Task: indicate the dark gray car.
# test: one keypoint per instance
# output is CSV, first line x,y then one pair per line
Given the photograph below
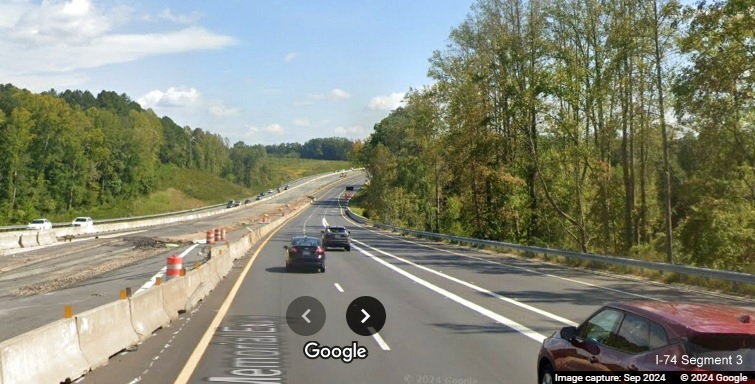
x,y
336,237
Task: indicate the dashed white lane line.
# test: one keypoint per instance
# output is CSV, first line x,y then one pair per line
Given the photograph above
x,y
477,308
476,288
338,287
383,345
151,281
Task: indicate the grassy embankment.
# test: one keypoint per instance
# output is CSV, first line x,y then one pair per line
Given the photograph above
x,y
179,189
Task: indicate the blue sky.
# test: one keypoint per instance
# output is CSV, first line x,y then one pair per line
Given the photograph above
x,y
254,71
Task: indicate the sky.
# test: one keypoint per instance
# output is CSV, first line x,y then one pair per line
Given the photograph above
x,y
261,72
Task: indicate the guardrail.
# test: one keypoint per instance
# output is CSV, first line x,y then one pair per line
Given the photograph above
x,y
731,276
158,215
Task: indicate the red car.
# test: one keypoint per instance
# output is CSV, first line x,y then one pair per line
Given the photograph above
x,y
653,336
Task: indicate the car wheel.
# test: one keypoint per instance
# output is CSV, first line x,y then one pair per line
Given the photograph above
x,y
546,374
348,248
322,269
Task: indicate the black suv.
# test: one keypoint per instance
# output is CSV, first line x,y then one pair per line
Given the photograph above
x,y
336,237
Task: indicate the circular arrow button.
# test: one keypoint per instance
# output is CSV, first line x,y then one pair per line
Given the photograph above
x,y
365,316
305,316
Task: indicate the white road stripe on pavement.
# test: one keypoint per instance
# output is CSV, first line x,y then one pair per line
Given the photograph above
x,y
338,287
383,345
477,288
151,281
477,308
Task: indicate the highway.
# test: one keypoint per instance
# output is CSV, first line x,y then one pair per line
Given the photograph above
x,y
453,314
36,283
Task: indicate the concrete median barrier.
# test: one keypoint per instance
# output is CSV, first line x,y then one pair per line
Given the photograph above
x,y
28,240
8,241
208,275
148,312
175,295
105,331
194,296
50,354
46,238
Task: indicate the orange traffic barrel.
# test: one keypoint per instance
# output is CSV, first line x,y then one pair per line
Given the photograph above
x,y
222,234
211,237
217,234
175,263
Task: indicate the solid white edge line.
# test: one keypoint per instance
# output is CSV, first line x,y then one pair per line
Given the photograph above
x,y
475,307
164,269
477,288
499,263
338,287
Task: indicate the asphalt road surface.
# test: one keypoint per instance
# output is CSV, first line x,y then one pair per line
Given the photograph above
x,y
36,283
453,315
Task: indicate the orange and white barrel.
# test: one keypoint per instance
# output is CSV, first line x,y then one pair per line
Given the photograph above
x,y
211,237
175,263
222,234
217,235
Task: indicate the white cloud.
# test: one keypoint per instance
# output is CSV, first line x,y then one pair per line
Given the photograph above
x,y
301,122
353,130
220,110
339,94
275,129
168,15
387,103
290,57
173,97
56,37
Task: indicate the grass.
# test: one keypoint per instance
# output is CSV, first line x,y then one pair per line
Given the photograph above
x,y
356,203
180,189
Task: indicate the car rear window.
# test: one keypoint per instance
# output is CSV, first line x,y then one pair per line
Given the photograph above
x,y
306,243
338,230
734,351
81,219
37,221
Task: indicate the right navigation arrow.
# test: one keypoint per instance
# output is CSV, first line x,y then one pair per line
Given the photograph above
x,y
366,316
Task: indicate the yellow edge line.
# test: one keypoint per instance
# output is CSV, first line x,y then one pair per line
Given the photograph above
x,y
199,351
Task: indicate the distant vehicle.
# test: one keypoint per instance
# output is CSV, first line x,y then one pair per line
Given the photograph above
x,y
39,224
350,188
83,222
631,336
233,203
336,237
305,251
247,201
262,194
270,192
286,188
279,189
259,198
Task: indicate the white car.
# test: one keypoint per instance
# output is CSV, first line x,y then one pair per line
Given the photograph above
x,y
39,224
83,222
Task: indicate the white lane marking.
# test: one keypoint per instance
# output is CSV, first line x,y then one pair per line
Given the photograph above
x,y
526,269
304,226
383,345
476,288
477,308
338,287
506,265
151,281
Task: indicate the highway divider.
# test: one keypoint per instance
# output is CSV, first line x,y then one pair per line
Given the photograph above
x,y
69,348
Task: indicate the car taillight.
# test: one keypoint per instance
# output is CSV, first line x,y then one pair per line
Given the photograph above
x,y
320,251
292,250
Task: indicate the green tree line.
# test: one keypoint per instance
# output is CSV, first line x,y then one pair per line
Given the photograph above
x,y
63,151
331,148
623,127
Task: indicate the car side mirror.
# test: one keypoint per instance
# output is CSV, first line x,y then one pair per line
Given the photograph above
x,y
285,247
568,333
